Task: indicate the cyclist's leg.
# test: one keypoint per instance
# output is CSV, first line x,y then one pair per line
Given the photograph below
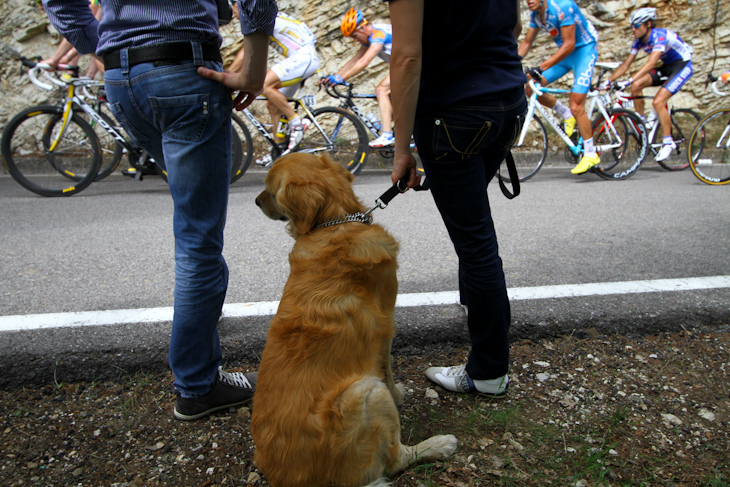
x,y
382,93
637,89
676,79
276,102
551,74
582,60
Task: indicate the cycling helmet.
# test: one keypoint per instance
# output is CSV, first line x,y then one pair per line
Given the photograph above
x,y
642,15
351,21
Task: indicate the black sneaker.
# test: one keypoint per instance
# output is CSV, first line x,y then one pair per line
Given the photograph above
x,y
230,389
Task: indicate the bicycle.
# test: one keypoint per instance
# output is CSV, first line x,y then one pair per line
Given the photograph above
x,y
619,137
369,120
52,150
683,121
332,130
711,141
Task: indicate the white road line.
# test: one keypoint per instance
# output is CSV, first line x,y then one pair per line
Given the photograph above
x,y
266,308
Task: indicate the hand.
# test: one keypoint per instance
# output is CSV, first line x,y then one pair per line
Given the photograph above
x,y
247,90
605,85
404,163
622,85
335,79
535,73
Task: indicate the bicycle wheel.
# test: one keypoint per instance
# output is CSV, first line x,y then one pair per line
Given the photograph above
x,y
621,143
246,148
709,154
339,134
111,150
684,121
236,154
70,167
530,155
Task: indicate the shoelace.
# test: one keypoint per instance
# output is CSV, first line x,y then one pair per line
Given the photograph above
x,y
236,379
455,371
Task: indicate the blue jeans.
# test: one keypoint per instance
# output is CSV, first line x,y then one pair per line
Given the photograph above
x,y
461,149
184,122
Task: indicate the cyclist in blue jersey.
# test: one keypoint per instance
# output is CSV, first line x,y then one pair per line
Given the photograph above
x,y
676,57
376,40
577,51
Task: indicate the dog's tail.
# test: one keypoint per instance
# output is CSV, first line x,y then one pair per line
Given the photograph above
x,y
381,482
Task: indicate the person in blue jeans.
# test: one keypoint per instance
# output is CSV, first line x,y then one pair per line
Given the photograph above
x,y
463,101
152,51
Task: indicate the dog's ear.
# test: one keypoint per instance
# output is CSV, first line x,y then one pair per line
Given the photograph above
x,y
301,202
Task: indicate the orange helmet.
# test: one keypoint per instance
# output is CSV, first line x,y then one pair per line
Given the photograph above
x,y
351,21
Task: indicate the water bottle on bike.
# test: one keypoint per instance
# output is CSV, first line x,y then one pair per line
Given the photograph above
x,y
374,120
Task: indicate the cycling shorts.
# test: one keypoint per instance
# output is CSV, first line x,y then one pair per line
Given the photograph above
x,y
295,69
581,62
676,74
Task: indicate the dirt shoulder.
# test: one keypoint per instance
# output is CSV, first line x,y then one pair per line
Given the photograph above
x,y
604,410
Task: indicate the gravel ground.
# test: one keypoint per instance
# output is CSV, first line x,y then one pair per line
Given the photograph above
x,y
604,410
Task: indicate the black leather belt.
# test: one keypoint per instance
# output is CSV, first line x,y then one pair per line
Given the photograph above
x,y
172,51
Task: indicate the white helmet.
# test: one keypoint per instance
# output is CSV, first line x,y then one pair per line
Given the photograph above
x,y
642,15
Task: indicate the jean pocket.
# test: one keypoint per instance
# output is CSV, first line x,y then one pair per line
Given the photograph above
x,y
456,141
181,117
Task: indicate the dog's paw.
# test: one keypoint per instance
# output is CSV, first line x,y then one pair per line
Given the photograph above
x,y
443,446
399,394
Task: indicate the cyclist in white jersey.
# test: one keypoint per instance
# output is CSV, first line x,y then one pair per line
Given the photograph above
x,y
676,56
376,41
293,40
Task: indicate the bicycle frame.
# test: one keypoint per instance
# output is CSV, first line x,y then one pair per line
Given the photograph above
x,y
298,102
576,149
350,105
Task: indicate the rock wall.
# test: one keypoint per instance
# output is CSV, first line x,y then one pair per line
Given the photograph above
x,y
703,23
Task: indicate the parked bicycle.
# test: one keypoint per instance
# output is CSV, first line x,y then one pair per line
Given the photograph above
x,y
332,130
52,150
709,143
618,135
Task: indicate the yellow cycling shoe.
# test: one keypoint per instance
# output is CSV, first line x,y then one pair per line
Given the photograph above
x,y
585,164
569,126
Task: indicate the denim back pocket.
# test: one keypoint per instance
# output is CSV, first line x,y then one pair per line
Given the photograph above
x,y
455,141
182,117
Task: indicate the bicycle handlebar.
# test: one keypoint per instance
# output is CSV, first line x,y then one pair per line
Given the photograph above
x,y
716,90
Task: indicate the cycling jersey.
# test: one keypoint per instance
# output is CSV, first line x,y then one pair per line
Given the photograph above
x,y
560,13
667,42
382,34
290,35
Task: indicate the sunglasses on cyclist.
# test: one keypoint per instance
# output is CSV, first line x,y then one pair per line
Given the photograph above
x,y
636,26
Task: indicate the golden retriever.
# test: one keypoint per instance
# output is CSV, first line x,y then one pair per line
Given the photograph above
x,y
325,408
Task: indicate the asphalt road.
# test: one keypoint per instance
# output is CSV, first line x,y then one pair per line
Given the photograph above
x,y
111,248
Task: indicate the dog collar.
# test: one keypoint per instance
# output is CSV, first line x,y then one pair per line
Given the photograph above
x,y
365,218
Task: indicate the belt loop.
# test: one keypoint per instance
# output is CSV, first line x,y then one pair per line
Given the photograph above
x,y
124,60
198,59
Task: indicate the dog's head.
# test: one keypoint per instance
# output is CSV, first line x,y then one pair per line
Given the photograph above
x,y
305,189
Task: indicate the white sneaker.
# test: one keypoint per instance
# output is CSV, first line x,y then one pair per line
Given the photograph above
x,y
297,133
665,151
383,141
456,379
265,161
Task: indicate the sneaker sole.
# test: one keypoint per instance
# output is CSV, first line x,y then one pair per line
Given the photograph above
x,y
185,417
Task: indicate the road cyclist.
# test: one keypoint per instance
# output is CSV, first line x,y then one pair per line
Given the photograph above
x,y
293,40
375,40
577,39
663,45
711,139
